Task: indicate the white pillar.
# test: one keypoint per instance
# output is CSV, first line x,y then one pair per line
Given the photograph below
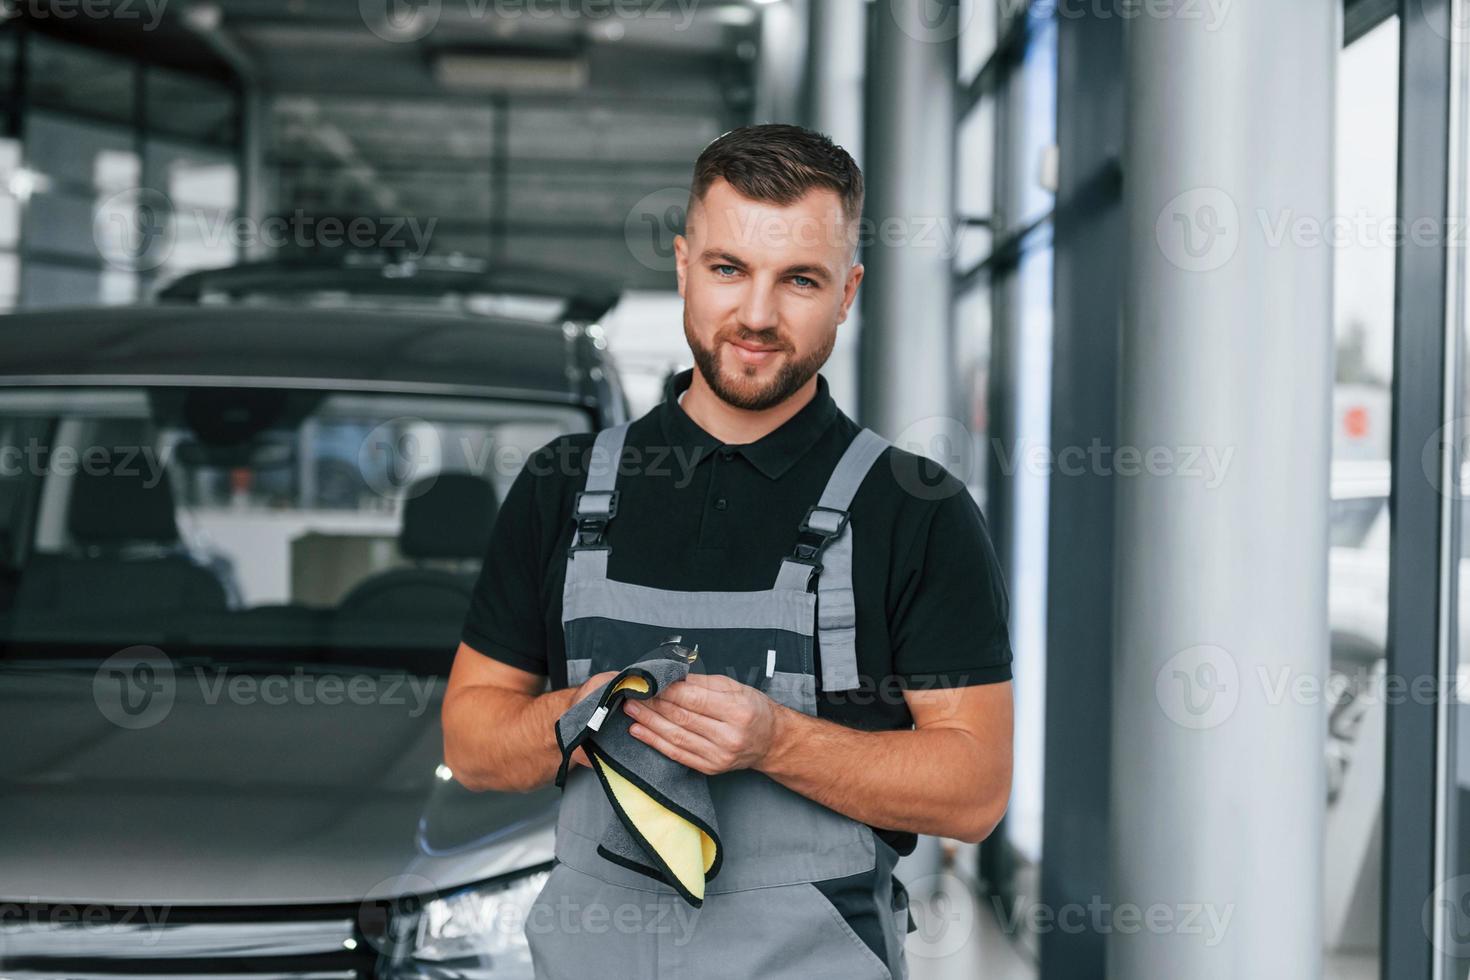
x,y
905,356
837,54
1218,782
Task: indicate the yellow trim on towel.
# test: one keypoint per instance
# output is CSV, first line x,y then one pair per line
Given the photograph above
x,y
688,851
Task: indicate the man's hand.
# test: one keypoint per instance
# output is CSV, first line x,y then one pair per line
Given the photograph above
x,y
579,754
709,722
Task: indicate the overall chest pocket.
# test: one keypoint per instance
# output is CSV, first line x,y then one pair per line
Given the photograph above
x,y
750,656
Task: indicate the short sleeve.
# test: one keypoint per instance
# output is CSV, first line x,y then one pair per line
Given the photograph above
x,y
949,626
505,619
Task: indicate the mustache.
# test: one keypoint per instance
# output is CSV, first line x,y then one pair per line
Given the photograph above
x,y
758,341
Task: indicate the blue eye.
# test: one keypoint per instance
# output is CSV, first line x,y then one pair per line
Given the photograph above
x,y
804,282
725,270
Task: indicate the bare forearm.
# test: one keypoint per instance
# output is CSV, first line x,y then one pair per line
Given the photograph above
x,y
931,781
503,740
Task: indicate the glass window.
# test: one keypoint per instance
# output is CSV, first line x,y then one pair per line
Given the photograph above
x,y
80,80
200,189
86,231
972,342
1366,181
977,36
9,44
257,517
1029,123
975,182
1024,313
188,106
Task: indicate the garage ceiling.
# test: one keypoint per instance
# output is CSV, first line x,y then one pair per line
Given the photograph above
x,y
359,125
537,130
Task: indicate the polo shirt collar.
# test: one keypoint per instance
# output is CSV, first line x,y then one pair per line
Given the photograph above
x,y
773,453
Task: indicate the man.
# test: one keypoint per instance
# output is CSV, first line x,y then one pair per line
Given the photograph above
x,y
889,712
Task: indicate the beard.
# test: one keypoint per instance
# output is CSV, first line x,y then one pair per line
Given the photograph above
x,y
744,390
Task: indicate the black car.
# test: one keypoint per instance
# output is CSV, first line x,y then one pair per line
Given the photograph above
x,y
237,540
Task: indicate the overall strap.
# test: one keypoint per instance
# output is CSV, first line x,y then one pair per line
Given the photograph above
x,y
824,550
596,505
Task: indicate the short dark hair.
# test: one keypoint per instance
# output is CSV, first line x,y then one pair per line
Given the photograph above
x,y
780,163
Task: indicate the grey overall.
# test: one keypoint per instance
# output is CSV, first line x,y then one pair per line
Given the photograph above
x,y
767,913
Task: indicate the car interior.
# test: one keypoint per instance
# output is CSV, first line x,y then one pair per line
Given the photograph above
x,y
287,528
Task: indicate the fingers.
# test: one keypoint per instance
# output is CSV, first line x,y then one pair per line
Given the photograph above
x,y
665,709
679,744
709,695
671,733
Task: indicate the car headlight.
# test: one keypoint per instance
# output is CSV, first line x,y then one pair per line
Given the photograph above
x,y
477,933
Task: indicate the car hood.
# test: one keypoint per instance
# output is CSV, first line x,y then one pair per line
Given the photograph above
x,y
269,787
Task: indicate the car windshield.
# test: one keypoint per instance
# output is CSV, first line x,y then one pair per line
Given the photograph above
x,y
320,527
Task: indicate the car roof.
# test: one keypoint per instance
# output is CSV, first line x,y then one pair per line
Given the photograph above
x,y
586,297
351,349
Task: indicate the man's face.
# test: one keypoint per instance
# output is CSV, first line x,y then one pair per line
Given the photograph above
x,y
764,289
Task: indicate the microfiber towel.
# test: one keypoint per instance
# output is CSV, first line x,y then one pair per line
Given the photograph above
x,y
665,821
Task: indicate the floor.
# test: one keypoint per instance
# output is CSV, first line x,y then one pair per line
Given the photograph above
x,y
959,936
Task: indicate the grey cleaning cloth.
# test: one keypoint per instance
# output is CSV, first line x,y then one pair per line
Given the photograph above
x,y
664,823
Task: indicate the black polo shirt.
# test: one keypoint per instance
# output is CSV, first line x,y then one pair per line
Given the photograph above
x,y
695,514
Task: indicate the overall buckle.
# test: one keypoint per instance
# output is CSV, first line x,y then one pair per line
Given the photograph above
x,y
818,527
592,510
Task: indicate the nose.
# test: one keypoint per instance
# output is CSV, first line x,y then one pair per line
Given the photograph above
x,y
758,306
